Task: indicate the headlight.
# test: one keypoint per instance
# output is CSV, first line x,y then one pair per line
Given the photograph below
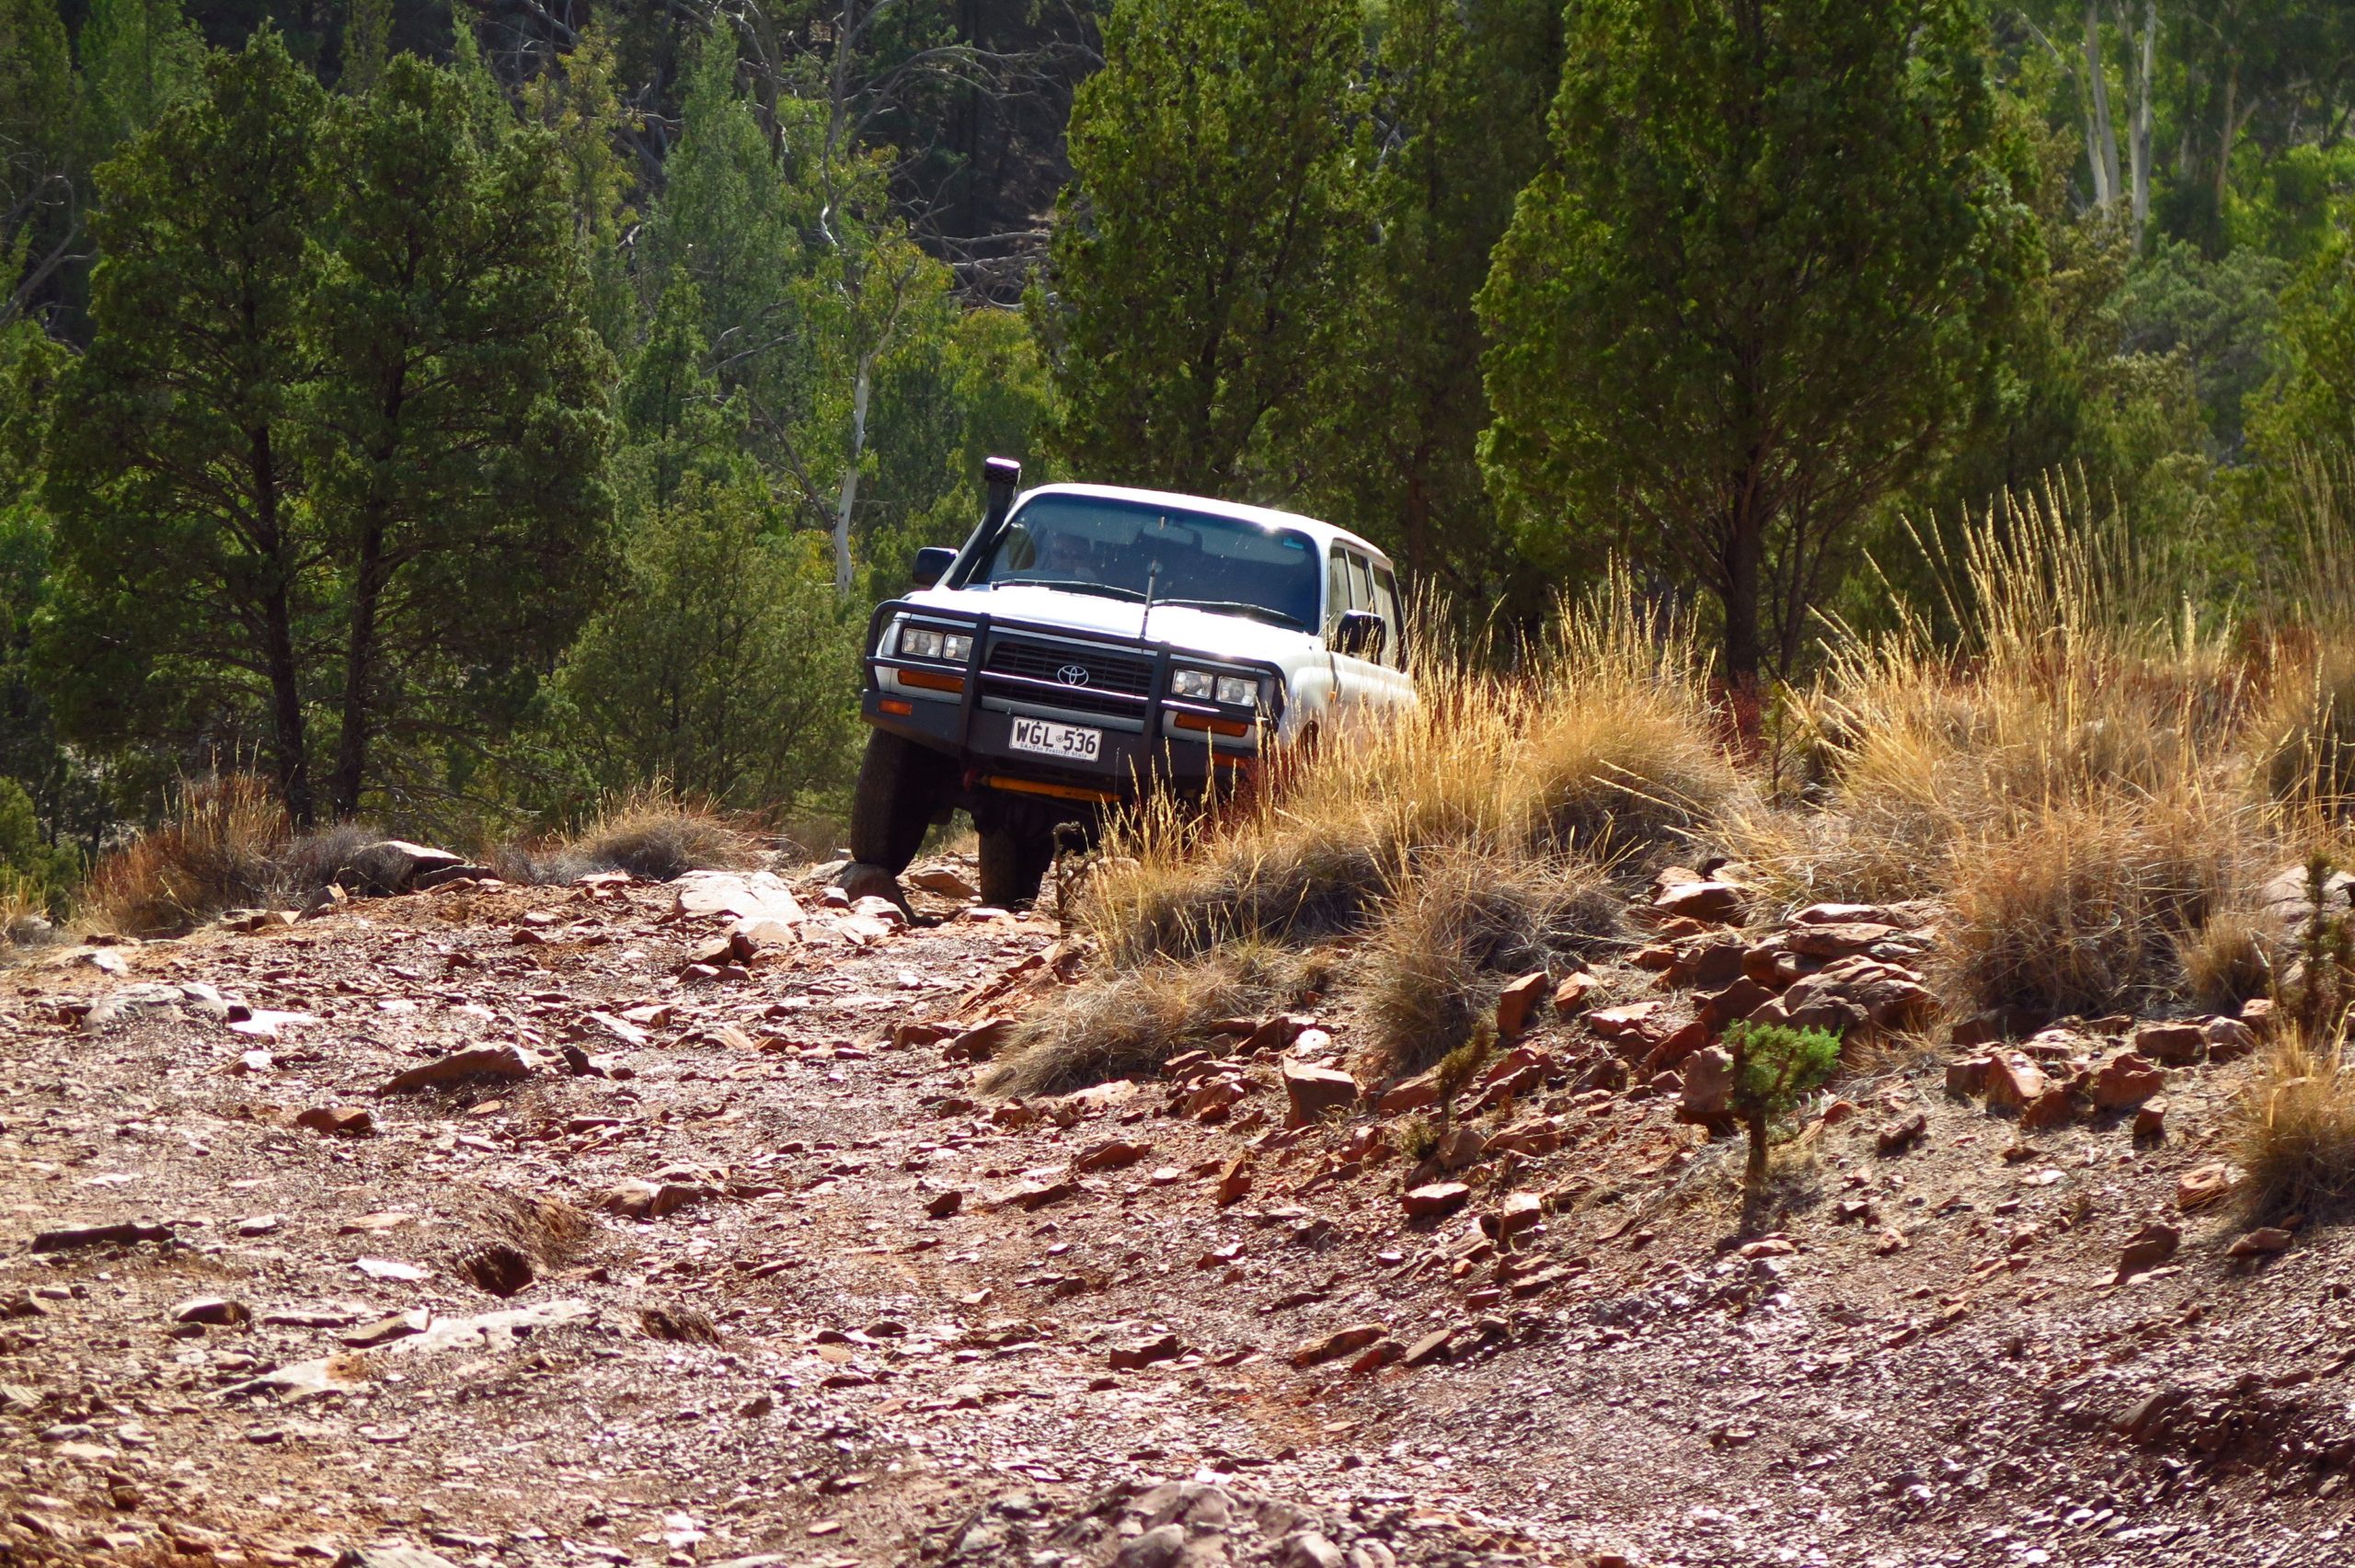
x,y
1194,683
930,642
1237,692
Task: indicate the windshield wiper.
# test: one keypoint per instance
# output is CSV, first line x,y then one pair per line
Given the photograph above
x,y
1108,590
1238,607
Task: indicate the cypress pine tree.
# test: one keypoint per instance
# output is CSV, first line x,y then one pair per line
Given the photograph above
x,y
138,57
189,563
458,425
1203,252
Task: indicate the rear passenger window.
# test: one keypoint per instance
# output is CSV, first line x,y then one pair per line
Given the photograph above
x,y
1386,605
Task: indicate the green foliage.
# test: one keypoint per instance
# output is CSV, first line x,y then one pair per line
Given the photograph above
x,y
367,43
2310,402
454,420
1743,292
1460,94
1459,1067
2320,990
1204,253
341,382
61,786
972,387
1775,1068
2220,314
1738,308
579,103
139,58
732,222
188,598
810,284
20,845
39,204
724,665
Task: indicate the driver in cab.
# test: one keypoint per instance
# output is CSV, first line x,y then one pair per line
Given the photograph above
x,y
1065,558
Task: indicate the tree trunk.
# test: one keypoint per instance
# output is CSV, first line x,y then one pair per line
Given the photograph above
x,y
2101,137
1417,524
1739,575
289,745
1753,1174
360,673
2226,134
860,387
2138,144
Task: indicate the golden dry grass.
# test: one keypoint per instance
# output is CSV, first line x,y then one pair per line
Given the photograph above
x,y
2086,906
1430,968
650,832
2297,1128
215,851
24,909
1130,1022
2307,736
1601,748
2230,960
2069,777
1465,839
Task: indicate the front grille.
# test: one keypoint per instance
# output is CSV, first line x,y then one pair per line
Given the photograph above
x,y
1105,671
1076,701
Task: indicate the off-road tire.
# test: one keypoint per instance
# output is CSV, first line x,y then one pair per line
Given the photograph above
x,y
900,785
1013,864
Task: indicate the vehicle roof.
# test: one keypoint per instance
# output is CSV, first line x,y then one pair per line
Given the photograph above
x,y
1325,534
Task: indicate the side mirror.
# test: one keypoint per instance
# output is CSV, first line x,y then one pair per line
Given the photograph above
x,y
1359,634
932,564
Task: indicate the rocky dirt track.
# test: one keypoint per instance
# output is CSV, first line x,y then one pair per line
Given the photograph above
x,y
718,1255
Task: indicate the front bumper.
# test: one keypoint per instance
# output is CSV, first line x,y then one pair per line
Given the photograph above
x,y
1151,737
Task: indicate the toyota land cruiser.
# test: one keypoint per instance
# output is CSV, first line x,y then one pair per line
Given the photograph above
x,y
1087,642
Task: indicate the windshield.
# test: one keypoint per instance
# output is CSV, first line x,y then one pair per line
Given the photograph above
x,y
1132,550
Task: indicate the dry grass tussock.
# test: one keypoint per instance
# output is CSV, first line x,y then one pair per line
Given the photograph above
x,y
24,909
2072,779
1128,1023
1468,838
2297,1129
1430,968
651,831
1599,748
227,843
216,850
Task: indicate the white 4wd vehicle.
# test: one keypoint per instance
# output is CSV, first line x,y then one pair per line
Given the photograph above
x,y
1087,642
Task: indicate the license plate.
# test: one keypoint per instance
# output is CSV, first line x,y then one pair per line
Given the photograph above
x,y
1072,742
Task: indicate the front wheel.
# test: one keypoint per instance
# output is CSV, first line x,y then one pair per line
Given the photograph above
x,y
1013,864
900,788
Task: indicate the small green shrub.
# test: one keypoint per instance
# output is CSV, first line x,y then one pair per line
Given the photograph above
x,y
2320,992
1418,1138
1459,1067
1775,1067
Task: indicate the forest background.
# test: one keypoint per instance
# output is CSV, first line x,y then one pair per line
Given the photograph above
x,y
457,415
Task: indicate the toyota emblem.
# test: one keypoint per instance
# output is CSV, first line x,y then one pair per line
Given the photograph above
x,y
1073,675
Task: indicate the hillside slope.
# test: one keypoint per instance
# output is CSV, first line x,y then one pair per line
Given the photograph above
x,y
737,1264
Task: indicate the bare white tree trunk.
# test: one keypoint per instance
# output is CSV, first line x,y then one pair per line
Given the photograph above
x,y
2138,142
860,386
2101,137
